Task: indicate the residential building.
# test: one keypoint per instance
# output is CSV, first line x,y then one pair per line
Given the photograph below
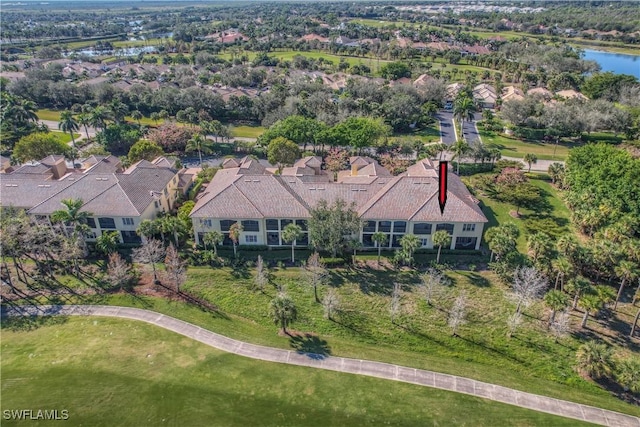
x,y
118,199
264,203
485,95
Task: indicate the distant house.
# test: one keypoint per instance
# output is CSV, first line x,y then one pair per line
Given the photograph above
x,y
227,37
264,203
541,92
314,37
118,199
485,95
512,93
346,41
570,93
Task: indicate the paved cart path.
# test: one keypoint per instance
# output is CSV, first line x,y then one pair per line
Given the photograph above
x,y
341,364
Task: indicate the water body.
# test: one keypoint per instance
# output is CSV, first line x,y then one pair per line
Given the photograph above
x,y
618,63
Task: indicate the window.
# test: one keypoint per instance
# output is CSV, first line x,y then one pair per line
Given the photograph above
x,y
91,222
446,227
127,221
251,226
468,227
466,242
225,224
106,223
399,227
206,222
304,240
367,240
284,223
395,242
369,227
273,239
421,228
166,193
251,238
302,223
384,226
130,237
272,224
156,204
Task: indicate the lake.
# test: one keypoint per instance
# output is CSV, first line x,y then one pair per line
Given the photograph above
x,y
616,62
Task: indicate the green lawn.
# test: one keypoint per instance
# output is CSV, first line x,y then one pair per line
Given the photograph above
x,y
512,147
246,131
530,361
109,372
45,114
288,55
64,137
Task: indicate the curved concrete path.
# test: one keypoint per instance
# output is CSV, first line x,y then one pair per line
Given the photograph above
x,y
342,364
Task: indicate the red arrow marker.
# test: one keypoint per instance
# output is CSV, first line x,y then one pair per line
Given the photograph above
x,y
442,189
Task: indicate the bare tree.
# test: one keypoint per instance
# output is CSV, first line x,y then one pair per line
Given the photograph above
x,y
561,325
513,323
119,272
432,283
262,274
176,268
331,303
528,285
458,313
396,303
151,252
316,273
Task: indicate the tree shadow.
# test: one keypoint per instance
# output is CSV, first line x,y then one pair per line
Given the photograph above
x,y
477,280
310,345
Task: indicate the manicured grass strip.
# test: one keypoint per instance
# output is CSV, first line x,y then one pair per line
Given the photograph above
x,y
115,372
247,131
46,114
64,137
512,147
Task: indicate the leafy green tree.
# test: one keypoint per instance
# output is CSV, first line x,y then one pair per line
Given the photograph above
x,y
144,150
299,129
213,238
606,85
441,238
502,240
107,242
556,301
331,226
379,238
360,132
200,144
395,70
290,234
594,359
530,159
282,152
68,124
283,311
37,146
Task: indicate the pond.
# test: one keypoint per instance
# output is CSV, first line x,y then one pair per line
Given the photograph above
x,y
616,62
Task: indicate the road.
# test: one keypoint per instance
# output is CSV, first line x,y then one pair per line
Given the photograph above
x,y
370,368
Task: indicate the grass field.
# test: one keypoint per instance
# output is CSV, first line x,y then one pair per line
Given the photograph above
x,y
45,114
288,55
64,137
512,147
109,372
246,131
530,361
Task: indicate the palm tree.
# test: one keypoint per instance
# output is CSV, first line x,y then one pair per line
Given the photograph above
x,y
459,149
380,239
173,225
234,234
137,116
594,359
119,110
626,271
72,215
409,243
589,303
213,238
99,116
290,234
563,268
628,374
68,124
147,228
283,311
577,286
530,159
200,144
556,172
441,238
463,109
538,244
85,120
107,242
556,300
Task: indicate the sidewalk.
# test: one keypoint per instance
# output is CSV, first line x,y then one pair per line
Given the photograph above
x,y
353,366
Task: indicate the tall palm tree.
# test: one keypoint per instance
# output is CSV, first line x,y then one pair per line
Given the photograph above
x,y
147,228
283,311
463,109
137,116
85,120
578,286
234,234
379,238
68,124
626,271
530,159
72,215
538,244
107,242
594,359
459,149
563,268
589,303
441,238
290,234
410,243
200,144
213,238
556,300
99,116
